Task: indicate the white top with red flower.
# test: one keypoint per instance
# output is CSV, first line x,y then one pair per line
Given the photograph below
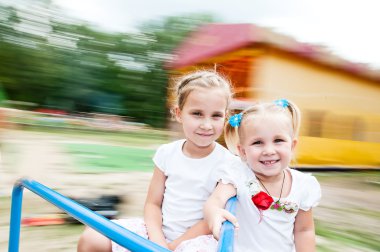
x,y
188,185
268,226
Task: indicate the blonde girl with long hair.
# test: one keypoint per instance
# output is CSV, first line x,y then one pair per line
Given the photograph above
x,y
185,171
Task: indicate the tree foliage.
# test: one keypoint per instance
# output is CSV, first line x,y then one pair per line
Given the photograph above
x,y
55,62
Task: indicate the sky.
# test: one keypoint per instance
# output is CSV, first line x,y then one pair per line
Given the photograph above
x,y
347,27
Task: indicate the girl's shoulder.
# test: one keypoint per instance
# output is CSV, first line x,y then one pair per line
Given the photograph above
x,y
220,147
169,147
307,187
236,172
302,178
219,155
167,151
225,152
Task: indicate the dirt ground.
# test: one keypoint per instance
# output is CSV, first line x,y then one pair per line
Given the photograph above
x,y
349,206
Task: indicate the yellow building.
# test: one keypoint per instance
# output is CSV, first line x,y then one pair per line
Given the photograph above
x,y
339,100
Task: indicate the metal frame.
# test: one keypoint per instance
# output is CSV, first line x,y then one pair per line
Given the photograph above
x,y
227,233
108,228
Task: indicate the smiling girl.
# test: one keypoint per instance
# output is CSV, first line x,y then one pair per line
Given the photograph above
x,y
185,173
275,202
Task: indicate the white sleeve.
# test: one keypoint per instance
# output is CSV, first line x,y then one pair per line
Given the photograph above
x,y
311,193
159,157
229,174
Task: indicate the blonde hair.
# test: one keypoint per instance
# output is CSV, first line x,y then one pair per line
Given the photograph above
x,y
232,134
199,79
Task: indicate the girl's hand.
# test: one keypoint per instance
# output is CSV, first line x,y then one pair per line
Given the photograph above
x,y
198,229
172,246
214,211
221,215
161,242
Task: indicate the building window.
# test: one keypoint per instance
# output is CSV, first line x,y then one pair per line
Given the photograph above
x,y
314,122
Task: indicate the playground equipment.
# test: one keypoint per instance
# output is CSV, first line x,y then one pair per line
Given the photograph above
x,y
113,231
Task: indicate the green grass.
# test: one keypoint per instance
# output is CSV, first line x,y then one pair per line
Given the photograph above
x,y
353,174
106,158
364,178
342,236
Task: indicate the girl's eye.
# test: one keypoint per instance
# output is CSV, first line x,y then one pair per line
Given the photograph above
x,y
257,142
278,140
217,116
197,113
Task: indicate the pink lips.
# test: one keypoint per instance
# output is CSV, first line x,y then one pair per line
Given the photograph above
x,y
205,135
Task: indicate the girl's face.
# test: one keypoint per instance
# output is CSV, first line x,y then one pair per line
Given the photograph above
x,y
267,144
202,116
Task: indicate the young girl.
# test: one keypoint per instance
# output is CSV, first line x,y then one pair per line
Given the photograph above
x,y
185,174
274,206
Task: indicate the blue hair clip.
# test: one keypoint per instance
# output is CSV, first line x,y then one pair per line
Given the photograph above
x,y
235,120
283,103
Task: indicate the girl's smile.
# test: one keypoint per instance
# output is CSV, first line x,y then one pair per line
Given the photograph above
x,y
205,134
269,162
267,145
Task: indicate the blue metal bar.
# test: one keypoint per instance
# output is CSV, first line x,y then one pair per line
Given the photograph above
x,y
226,240
113,231
15,222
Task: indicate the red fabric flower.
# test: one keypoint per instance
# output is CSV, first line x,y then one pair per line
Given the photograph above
x,y
262,200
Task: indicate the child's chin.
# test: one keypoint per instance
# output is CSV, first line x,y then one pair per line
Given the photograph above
x,y
205,144
272,169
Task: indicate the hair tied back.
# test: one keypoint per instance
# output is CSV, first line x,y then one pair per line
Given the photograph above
x,y
235,120
283,103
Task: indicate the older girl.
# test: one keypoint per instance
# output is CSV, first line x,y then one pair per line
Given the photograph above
x,y
185,173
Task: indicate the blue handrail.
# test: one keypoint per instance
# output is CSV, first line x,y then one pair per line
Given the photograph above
x,y
108,228
226,240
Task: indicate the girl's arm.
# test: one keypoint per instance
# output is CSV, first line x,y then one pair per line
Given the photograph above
x,y
304,233
214,212
199,228
152,208
221,195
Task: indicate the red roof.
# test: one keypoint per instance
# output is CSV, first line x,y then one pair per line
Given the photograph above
x,y
215,39
211,40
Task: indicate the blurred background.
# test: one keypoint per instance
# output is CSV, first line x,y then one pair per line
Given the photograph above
x,y
85,92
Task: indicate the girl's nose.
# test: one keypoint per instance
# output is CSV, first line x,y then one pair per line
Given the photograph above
x,y
268,149
206,124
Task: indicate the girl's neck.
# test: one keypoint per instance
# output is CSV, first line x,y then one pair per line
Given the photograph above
x,y
191,150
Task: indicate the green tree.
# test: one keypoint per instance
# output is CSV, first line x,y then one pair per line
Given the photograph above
x,y
58,62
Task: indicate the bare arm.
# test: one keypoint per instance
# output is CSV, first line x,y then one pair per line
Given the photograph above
x,y
152,208
199,228
304,233
214,211
202,227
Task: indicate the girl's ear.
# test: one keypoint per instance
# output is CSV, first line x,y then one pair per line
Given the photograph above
x,y
178,114
294,144
242,153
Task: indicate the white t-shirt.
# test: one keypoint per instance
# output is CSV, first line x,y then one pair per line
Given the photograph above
x,y
275,230
188,185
